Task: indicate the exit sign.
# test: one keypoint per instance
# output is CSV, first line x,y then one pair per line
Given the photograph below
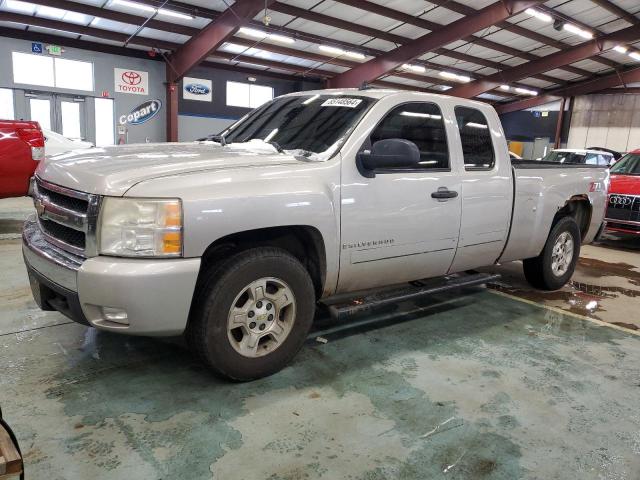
x,y
54,50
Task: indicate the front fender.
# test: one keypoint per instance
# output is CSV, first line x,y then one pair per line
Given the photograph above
x,y
218,204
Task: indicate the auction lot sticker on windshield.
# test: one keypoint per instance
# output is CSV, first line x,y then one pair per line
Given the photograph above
x,y
342,102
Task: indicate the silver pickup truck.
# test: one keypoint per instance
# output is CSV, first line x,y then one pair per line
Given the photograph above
x,y
234,240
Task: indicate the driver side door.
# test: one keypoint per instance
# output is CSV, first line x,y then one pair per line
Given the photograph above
x,y
392,229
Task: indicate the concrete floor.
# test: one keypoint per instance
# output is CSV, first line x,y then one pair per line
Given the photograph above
x,y
469,385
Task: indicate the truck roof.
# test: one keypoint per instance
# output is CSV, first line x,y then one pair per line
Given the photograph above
x,y
379,93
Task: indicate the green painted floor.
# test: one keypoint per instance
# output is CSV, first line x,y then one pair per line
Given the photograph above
x,y
470,386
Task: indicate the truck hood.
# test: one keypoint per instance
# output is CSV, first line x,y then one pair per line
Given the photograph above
x,y
114,170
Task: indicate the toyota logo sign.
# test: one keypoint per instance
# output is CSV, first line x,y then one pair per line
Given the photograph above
x,y
131,78
131,81
620,200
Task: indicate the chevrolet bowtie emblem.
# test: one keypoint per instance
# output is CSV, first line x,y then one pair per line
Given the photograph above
x,y
40,208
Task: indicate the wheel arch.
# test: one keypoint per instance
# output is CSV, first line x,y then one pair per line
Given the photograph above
x,y
580,209
304,242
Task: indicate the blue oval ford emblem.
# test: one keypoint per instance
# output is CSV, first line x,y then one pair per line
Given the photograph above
x,y
197,89
142,113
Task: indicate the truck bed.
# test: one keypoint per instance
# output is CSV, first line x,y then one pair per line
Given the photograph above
x,y
540,164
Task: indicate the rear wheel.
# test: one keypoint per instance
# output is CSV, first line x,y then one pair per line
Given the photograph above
x,y
553,268
252,314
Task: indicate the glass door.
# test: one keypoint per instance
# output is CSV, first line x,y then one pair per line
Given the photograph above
x,y
70,117
62,114
41,109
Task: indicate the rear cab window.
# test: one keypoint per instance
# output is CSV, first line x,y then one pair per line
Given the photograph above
x,y
475,135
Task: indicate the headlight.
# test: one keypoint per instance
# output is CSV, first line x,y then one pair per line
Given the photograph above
x,y
140,227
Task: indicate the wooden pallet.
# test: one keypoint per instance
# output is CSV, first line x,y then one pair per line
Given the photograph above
x,y
10,459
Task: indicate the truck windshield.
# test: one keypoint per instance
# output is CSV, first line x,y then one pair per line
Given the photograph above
x,y
311,124
564,157
627,165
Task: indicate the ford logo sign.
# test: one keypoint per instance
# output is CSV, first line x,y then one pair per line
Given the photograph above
x,y
142,113
197,89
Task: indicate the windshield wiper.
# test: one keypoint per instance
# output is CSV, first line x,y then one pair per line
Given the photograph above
x,y
277,146
214,138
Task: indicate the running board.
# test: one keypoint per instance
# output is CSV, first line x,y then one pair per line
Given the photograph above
x,y
347,305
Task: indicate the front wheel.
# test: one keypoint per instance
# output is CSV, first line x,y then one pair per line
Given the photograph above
x,y
553,268
252,314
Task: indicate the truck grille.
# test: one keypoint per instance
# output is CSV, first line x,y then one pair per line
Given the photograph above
x,y
623,207
66,217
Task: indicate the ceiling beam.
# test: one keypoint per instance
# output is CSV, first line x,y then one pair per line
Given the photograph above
x,y
518,30
121,17
617,11
212,36
544,64
423,23
579,88
29,20
461,28
328,20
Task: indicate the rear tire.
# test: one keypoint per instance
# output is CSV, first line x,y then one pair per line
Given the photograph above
x,y
553,268
252,314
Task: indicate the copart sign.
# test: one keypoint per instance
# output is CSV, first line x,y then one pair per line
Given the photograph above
x,y
142,113
135,82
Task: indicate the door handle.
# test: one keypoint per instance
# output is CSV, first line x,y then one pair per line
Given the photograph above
x,y
444,193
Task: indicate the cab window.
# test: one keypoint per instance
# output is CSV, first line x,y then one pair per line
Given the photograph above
x,y
475,135
421,123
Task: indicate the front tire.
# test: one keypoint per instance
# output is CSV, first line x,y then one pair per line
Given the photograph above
x,y
252,314
553,268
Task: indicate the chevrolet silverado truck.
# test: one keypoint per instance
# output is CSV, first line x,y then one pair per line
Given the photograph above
x,y
311,198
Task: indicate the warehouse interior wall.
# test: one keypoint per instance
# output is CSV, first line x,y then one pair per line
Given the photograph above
x,y
610,121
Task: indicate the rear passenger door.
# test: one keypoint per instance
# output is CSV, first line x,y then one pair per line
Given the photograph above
x,y
487,188
392,229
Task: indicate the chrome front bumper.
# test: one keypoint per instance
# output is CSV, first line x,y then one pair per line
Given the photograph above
x,y
47,259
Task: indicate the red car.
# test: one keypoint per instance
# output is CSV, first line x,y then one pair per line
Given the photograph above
x,y
21,148
623,211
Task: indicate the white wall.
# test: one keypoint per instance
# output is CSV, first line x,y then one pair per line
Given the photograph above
x,y
611,121
194,127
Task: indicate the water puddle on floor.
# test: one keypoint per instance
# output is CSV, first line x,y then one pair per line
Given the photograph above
x,y
582,297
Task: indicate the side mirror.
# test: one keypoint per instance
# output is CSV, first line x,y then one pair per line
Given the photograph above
x,y
389,153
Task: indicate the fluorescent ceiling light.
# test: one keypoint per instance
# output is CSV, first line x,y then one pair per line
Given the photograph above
x,y
620,49
569,27
538,14
338,52
280,38
171,13
252,32
356,55
526,91
139,6
455,76
16,6
414,68
506,88
635,55
330,49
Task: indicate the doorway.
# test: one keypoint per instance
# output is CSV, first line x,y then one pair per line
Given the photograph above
x,y
63,114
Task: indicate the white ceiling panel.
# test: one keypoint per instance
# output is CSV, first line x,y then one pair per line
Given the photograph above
x,y
113,26
52,31
166,36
